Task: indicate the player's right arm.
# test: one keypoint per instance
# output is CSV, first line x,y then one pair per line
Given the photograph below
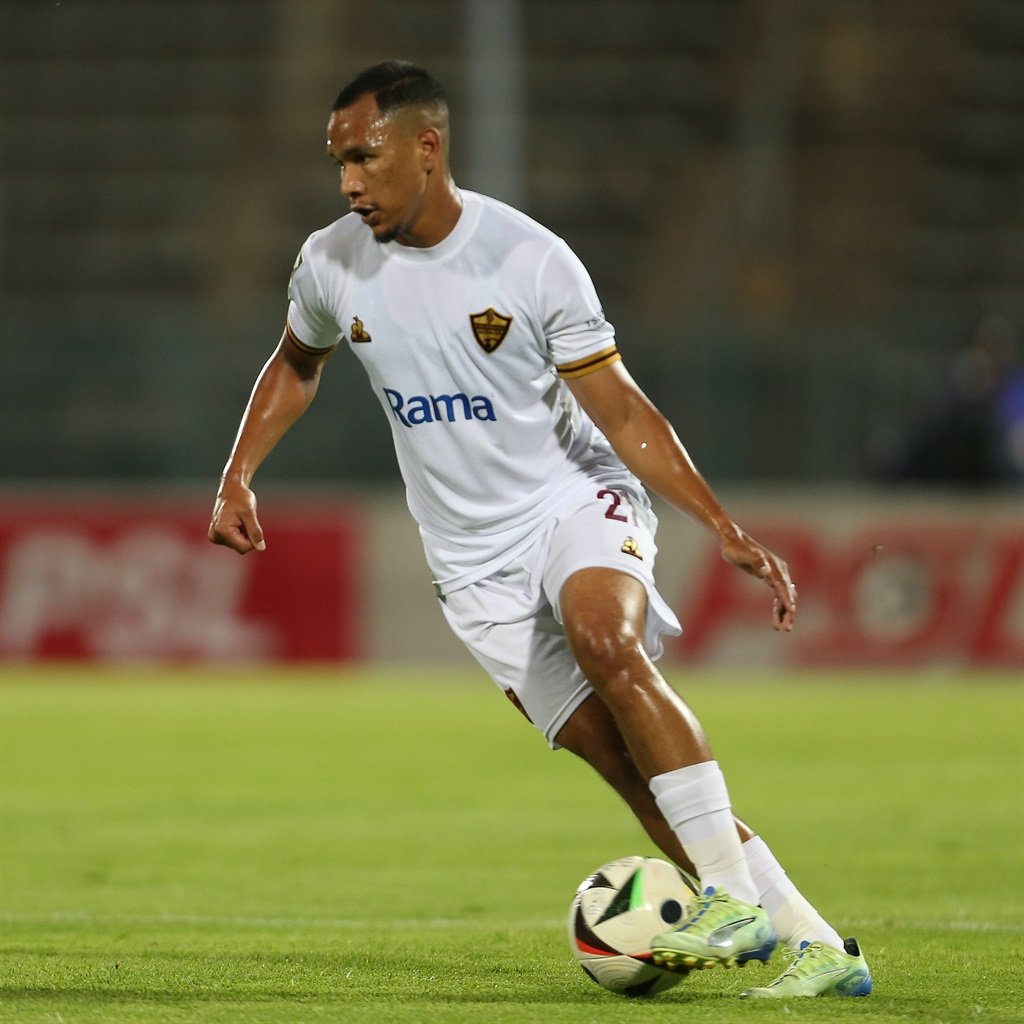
x,y
283,391
650,448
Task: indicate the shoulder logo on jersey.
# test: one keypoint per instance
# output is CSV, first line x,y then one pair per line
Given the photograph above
x,y
489,328
630,547
359,331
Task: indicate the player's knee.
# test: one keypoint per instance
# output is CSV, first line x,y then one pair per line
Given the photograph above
x,y
611,656
596,640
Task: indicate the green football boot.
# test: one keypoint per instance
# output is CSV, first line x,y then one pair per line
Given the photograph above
x,y
819,970
717,931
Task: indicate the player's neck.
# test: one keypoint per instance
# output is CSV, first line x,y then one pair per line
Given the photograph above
x,y
437,220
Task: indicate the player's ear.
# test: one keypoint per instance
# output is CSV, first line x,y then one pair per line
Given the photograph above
x,y
431,149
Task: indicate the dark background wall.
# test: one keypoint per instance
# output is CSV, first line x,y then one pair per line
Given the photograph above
x,y
801,216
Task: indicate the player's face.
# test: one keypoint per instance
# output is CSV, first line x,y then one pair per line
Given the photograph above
x,y
385,167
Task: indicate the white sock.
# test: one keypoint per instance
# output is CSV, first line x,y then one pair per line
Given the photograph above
x,y
695,803
792,916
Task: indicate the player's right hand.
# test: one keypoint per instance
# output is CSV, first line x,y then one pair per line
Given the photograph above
x,y
234,521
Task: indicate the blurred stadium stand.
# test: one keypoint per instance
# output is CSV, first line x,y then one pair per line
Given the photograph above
x,y
797,213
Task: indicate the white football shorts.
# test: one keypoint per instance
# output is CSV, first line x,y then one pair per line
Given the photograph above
x,y
511,621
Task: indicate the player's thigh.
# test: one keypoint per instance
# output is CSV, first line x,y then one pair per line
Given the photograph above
x,y
604,612
616,531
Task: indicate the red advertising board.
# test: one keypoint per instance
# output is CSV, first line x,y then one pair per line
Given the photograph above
x,y
917,590
919,581
125,580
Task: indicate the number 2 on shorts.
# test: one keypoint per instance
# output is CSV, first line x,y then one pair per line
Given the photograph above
x,y
612,511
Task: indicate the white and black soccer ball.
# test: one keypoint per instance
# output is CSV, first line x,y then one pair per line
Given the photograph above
x,y
615,914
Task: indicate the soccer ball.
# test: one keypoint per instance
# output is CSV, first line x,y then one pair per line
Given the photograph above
x,y
615,914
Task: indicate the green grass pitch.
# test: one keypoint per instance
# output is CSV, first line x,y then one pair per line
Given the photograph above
x,y
373,846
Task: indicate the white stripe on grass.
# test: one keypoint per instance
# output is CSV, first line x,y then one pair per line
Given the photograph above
x,y
340,923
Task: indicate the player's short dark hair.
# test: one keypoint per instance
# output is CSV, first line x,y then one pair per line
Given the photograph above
x,y
394,84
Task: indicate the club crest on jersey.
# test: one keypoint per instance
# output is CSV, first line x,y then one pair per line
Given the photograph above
x,y
489,328
359,331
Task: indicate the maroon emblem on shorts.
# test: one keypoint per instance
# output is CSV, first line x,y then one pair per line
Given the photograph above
x,y
512,696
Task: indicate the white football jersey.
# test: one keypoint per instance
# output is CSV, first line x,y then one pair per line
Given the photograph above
x,y
466,344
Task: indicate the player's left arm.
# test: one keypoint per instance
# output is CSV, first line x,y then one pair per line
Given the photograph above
x,y
648,445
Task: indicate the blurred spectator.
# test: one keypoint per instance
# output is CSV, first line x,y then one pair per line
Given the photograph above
x,y
977,436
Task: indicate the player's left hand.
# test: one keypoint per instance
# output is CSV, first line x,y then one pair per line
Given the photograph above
x,y
234,522
745,553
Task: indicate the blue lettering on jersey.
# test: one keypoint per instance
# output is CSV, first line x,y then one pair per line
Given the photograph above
x,y
417,409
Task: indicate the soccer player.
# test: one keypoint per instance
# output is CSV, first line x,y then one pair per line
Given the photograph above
x,y
526,447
